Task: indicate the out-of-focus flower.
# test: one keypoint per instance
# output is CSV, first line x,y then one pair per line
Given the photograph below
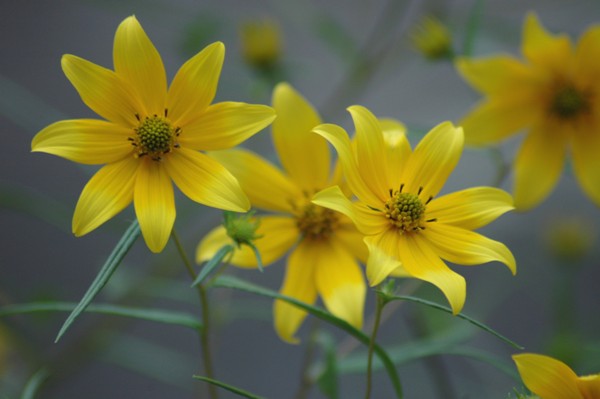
x,y
570,239
324,246
261,43
408,230
432,39
151,135
552,379
554,94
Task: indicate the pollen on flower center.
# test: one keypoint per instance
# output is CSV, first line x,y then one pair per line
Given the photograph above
x,y
405,211
569,102
154,136
317,222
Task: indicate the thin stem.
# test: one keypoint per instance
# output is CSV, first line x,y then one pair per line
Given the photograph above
x,y
306,381
204,331
379,308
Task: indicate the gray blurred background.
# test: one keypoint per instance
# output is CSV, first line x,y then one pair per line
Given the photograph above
x,y
337,53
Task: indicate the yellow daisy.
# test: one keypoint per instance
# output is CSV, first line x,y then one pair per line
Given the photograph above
x,y
555,95
552,379
407,229
324,246
151,135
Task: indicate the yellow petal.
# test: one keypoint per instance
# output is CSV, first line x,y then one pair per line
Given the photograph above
x,y
277,236
383,256
465,247
542,48
264,184
195,85
397,148
101,89
420,260
589,386
340,282
304,155
586,161
471,208
206,181
547,377
587,56
433,160
154,204
137,62
299,283
351,239
87,141
107,193
340,141
538,165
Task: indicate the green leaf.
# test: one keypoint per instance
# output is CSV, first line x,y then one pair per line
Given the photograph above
x,y
111,264
34,383
160,316
237,391
235,283
212,264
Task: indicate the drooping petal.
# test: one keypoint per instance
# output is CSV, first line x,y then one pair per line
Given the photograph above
x,y
383,256
471,208
299,283
195,85
265,185
538,165
547,377
587,56
101,89
397,148
421,261
87,141
277,235
589,386
107,193
433,160
351,239
340,282
137,62
304,155
542,48
465,247
206,181
154,204
586,161
225,125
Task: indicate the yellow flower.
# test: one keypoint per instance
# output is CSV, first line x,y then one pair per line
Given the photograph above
x,y
554,94
408,230
432,39
552,379
261,43
324,247
151,135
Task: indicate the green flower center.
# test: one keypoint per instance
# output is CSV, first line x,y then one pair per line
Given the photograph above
x,y
154,136
405,211
569,102
316,222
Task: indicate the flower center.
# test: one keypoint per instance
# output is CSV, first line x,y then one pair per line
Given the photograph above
x,y
405,211
568,102
154,136
316,222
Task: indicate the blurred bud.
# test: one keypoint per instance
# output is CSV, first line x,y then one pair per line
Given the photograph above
x,y
570,239
241,228
261,43
432,39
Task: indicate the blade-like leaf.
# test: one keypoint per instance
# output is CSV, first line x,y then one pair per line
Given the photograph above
x,y
34,383
237,391
111,264
235,283
212,264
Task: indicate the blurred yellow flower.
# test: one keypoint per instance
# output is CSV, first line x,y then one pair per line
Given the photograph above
x,y
151,135
432,39
325,246
261,43
554,94
409,231
552,379
570,239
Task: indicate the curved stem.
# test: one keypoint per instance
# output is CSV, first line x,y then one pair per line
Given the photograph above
x,y
379,308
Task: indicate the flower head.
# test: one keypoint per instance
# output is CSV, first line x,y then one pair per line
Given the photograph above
x,y
552,379
151,135
432,39
324,246
407,228
261,43
554,93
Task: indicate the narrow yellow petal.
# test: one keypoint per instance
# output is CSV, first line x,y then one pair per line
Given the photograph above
x,y
397,148
107,193
87,141
471,208
265,185
586,161
547,377
225,125
383,256
304,155
137,62
539,164
351,239
195,85
587,56
340,282
589,386
465,247
206,181
101,89
154,204
542,48
420,260
299,283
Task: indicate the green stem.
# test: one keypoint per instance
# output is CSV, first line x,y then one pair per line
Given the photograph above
x,y
378,310
204,331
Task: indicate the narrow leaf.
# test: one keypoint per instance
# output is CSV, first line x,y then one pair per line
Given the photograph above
x,y
34,383
111,264
259,262
212,264
235,283
237,391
